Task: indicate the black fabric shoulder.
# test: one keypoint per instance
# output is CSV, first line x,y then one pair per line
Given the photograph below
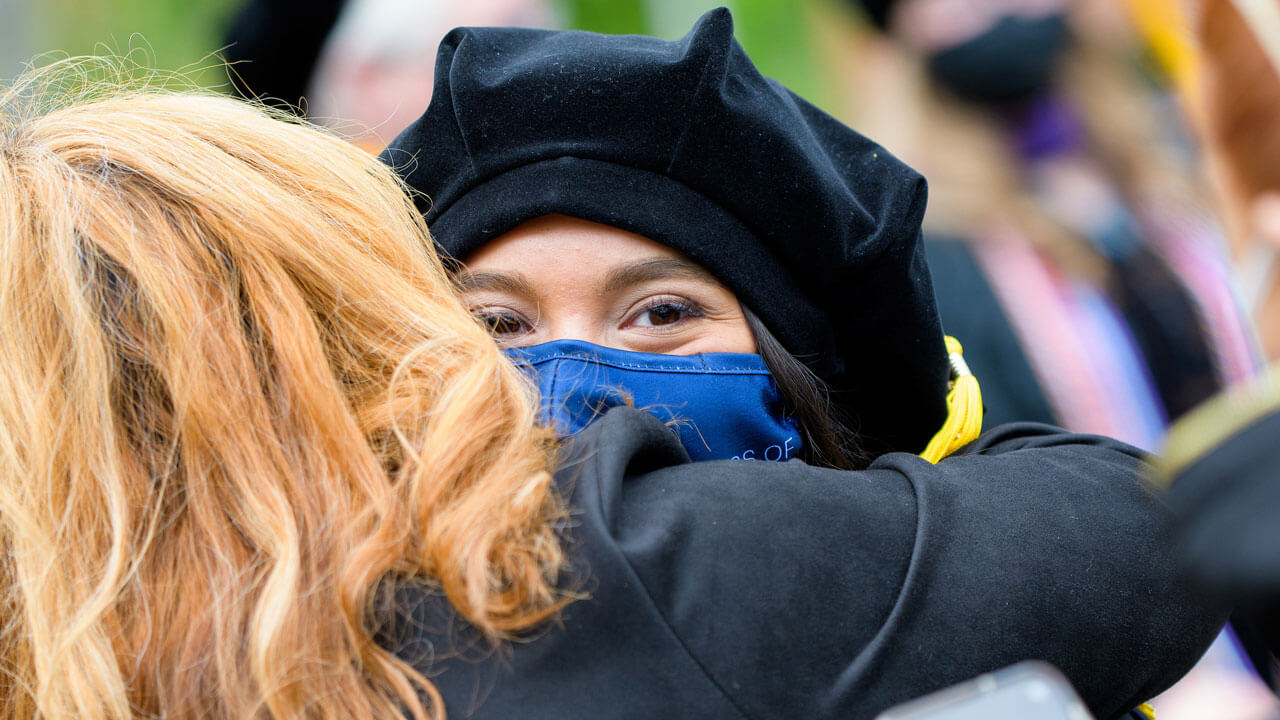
x,y
1226,508
753,589
819,593
775,576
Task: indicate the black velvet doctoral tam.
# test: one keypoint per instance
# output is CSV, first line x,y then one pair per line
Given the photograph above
x,y
815,227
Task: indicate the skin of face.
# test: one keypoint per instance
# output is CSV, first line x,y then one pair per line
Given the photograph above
x,y
562,278
934,25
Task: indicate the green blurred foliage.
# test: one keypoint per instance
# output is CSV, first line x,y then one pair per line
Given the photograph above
x,y
186,34
616,17
775,33
166,34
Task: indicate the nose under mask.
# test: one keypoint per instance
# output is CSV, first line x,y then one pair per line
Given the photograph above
x,y
725,406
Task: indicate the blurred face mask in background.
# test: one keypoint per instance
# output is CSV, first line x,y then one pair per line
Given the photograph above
x,y
1012,61
725,406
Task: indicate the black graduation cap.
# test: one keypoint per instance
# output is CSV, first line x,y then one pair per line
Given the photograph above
x,y
815,227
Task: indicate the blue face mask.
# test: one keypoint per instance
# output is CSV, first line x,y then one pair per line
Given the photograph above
x,y
724,405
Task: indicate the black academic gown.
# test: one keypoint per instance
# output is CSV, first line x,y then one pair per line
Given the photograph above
x,y
1226,521
779,590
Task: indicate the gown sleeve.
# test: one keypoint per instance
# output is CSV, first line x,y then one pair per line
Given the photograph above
x,y
820,593
740,589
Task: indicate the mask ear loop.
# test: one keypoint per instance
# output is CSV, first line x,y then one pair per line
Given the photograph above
x,y
964,408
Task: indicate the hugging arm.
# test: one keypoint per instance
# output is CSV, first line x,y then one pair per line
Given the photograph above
x,y
738,589
845,593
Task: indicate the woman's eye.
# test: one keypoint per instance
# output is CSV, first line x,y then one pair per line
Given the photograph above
x,y
665,312
501,323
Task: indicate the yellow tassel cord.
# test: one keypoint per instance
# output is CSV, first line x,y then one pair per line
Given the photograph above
x,y
1165,27
1147,710
964,408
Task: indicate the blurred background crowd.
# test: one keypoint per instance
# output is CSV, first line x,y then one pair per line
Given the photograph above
x,y
1080,243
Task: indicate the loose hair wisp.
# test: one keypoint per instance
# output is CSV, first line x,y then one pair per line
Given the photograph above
x,y
240,401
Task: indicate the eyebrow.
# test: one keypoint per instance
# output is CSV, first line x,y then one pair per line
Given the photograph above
x,y
655,269
513,283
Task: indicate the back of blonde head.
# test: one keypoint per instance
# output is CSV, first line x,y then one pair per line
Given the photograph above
x,y
240,400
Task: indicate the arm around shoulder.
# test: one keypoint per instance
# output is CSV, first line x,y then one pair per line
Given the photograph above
x,y
836,594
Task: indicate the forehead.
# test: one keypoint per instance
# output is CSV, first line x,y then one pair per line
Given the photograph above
x,y
556,255
564,240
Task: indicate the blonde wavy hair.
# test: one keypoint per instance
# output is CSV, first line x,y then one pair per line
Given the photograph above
x,y
240,403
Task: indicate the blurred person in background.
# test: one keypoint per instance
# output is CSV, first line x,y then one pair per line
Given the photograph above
x,y
1064,229
1071,239
1222,462
360,67
272,46
374,75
